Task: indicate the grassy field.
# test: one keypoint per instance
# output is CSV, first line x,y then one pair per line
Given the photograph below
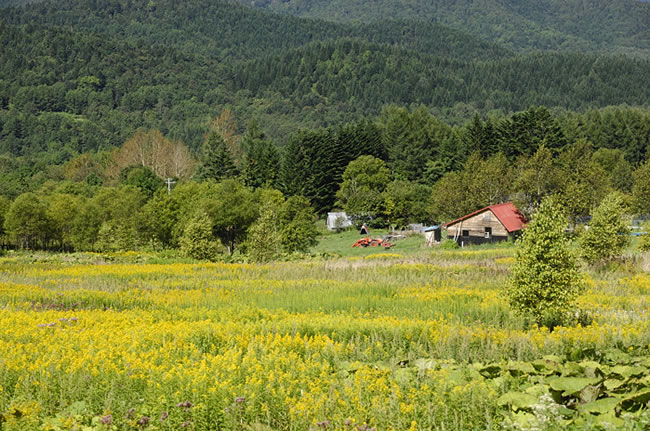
x,y
401,339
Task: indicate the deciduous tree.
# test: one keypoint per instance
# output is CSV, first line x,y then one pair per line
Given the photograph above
x,y
545,279
607,233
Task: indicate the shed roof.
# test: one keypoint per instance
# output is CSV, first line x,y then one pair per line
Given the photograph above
x,y
507,213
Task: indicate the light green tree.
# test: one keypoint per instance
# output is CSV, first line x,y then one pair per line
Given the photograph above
x,y
361,193
197,240
406,202
26,221
231,208
545,278
298,232
61,212
263,241
607,234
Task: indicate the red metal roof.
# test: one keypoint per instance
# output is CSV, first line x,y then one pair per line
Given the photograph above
x,y
507,213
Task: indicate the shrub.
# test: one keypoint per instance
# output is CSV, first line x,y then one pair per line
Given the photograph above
x,y
545,278
644,240
448,244
197,240
607,234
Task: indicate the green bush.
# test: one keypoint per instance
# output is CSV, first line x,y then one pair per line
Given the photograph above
x,y
448,244
545,278
644,240
607,234
197,240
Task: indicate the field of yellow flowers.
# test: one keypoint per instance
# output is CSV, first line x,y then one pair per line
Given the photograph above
x,y
382,342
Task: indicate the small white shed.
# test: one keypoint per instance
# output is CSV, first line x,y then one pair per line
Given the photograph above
x,y
338,220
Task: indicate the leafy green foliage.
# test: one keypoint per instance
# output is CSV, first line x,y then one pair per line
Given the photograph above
x,y
232,211
263,242
406,202
480,183
545,278
607,234
197,240
26,221
644,241
361,193
298,232
141,178
555,390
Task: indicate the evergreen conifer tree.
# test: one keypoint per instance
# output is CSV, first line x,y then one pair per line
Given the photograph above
x,y
216,161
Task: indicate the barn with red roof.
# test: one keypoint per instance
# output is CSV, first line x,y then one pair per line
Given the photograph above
x,y
490,224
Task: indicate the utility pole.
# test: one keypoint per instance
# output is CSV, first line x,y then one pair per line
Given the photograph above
x,y
169,183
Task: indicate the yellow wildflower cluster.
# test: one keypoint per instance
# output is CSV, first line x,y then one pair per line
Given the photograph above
x,y
292,345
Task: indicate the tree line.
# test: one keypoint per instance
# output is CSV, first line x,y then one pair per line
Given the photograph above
x,y
240,190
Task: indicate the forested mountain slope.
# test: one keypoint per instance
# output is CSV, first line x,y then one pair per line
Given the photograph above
x,y
65,92
83,75
588,25
226,31
369,76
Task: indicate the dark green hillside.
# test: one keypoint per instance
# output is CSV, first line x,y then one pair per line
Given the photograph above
x,y
369,76
587,25
67,92
227,31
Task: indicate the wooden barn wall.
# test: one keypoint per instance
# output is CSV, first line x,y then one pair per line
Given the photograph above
x,y
476,225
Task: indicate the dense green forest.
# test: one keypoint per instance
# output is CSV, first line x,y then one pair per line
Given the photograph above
x,y
586,25
226,31
63,92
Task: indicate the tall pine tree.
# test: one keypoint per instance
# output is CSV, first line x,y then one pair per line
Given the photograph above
x,y
216,161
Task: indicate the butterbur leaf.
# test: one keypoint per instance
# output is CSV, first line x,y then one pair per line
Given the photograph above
x,y
592,369
517,400
573,369
617,357
525,420
627,371
520,368
491,370
611,384
609,421
635,401
571,385
545,368
601,406
537,390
